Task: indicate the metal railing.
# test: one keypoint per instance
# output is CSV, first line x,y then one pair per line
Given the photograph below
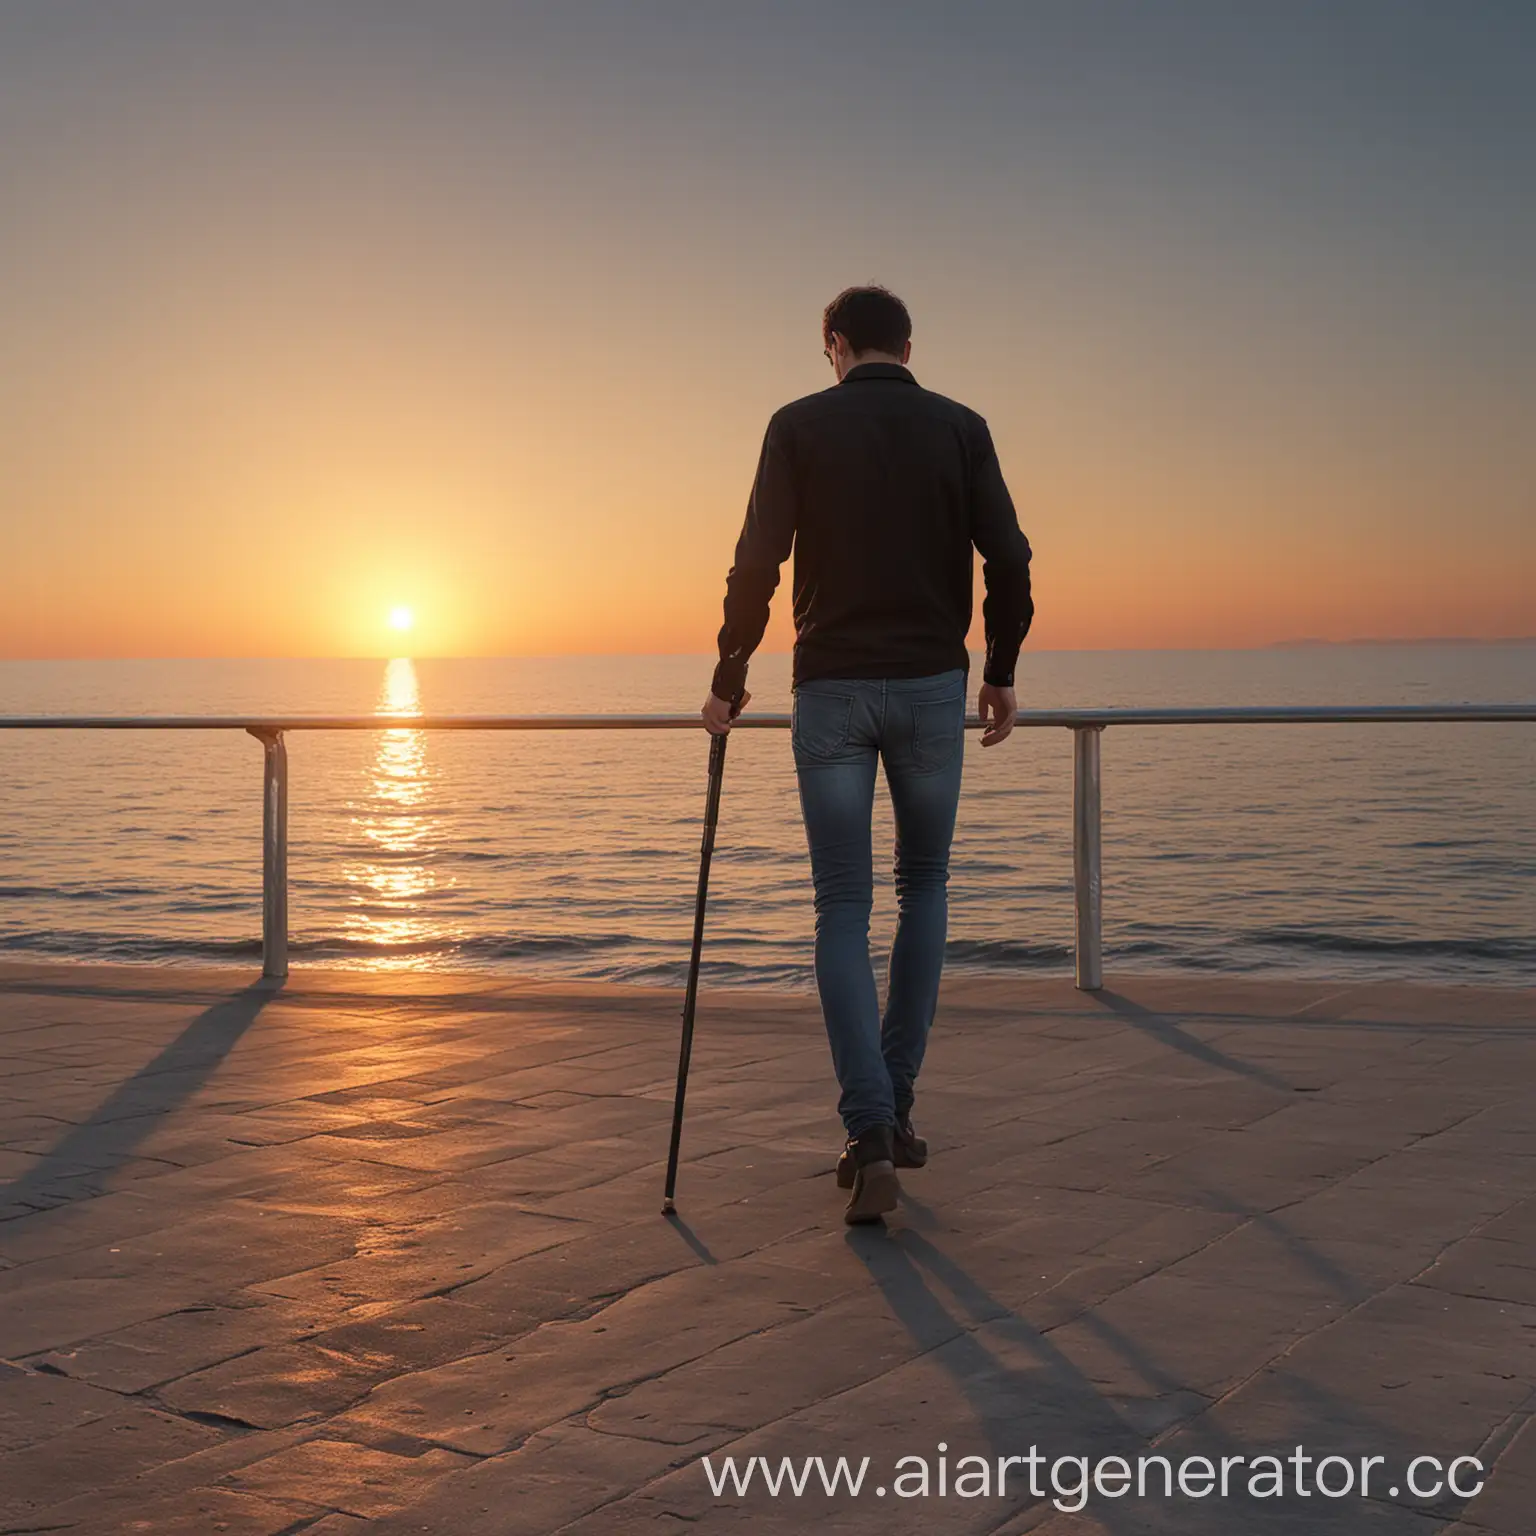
x,y
1086,725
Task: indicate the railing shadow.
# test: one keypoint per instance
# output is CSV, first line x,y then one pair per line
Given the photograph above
x,y
660,1001
79,1164
1173,1034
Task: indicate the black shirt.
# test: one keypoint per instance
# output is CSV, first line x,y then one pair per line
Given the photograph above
x,y
882,487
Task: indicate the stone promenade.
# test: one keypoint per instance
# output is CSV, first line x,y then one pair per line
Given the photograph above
x,y
368,1256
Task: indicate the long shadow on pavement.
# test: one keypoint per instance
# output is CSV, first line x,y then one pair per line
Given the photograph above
x,y
1159,1027
75,1166
1065,1413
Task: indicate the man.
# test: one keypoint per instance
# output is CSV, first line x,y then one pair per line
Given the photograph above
x,y
882,488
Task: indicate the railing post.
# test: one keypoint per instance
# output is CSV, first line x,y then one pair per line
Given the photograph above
x,y
1087,842
274,854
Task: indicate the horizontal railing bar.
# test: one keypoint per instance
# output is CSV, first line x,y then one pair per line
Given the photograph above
x,y
1071,719
1085,723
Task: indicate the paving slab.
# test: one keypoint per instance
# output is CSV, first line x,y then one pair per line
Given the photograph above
x,y
102,1453
383,1255
342,1475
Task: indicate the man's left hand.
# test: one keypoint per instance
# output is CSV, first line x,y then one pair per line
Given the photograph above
x,y
719,713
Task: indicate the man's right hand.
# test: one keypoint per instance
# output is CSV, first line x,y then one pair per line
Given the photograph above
x,y
718,714
1000,708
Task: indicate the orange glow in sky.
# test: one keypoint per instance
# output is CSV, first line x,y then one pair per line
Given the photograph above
x,y
299,361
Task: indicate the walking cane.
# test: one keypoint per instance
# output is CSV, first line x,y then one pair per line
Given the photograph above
x,y
691,996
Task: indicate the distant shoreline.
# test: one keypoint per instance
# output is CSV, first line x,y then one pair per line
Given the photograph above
x,y
1312,644
1304,644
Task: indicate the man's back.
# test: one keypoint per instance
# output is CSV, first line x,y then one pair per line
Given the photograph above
x,y
882,487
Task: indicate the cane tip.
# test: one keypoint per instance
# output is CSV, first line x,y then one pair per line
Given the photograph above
x,y
668,1206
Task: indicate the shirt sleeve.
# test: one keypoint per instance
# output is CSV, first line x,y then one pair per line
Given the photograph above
x,y
766,538
1008,607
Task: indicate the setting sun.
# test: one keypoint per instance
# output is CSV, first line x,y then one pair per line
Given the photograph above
x,y
401,618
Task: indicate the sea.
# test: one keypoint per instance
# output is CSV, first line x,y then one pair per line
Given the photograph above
x,y
1349,851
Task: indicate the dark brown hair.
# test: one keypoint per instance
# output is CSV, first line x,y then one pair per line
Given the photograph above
x,y
872,318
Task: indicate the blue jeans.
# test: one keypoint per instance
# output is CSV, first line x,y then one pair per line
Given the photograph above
x,y
842,727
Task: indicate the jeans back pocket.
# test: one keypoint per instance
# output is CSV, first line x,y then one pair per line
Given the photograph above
x,y
938,727
819,723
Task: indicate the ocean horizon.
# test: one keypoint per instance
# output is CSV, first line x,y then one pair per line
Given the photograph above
x,y
1358,851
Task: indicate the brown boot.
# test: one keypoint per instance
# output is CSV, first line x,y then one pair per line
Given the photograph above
x,y
876,1188
911,1151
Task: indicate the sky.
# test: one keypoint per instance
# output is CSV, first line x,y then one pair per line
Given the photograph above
x,y
311,311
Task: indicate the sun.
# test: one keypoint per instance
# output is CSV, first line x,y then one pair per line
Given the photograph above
x,y
401,618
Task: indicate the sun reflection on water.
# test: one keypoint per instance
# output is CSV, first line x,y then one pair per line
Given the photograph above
x,y
391,888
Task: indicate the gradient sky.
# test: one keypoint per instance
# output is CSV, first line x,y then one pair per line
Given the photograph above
x,y
312,309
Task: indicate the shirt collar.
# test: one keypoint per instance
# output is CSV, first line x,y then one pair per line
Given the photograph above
x,y
863,371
